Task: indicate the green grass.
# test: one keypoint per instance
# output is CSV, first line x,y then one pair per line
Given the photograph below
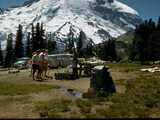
x,y
85,106
129,66
49,108
141,99
23,89
11,100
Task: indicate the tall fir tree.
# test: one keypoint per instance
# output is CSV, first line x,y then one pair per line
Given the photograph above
x,y
109,50
37,36
71,44
19,46
144,45
80,44
9,51
51,45
113,50
42,38
1,56
158,24
33,41
90,47
105,52
158,37
87,50
158,28
155,42
28,45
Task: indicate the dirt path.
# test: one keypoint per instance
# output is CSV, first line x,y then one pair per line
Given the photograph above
x,y
27,110
23,77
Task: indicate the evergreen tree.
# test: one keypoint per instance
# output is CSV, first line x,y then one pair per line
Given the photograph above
x,y
143,48
51,46
19,48
37,36
158,38
66,47
155,47
105,53
70,45
109,50
100,48
87,50
158,29
33,41
158,25
9,51
1,55
137,50
42,37
155,42
90,47
28,46
113,50
80,44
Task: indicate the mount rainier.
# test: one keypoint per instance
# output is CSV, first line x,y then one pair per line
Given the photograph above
x,y
98,19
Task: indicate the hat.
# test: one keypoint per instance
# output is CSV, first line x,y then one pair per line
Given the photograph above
x,y
43,50
38,51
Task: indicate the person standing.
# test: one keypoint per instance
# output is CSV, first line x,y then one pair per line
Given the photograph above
x,y
41,61
30,63
46,62
35,64
96,52
75,62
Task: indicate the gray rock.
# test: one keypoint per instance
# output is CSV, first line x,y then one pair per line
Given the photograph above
x,y
101,84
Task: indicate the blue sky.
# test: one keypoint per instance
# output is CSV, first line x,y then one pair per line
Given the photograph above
x,y
146,8
8,3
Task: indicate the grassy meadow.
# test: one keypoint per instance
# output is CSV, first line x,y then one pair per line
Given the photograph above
x,y
141,98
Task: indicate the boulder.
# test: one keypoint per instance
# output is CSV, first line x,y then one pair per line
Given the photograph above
x,y
101,84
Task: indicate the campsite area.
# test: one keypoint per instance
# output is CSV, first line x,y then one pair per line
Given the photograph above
x,y
137,95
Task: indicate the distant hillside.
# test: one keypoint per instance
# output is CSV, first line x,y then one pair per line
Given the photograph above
x,y
123,44
127,37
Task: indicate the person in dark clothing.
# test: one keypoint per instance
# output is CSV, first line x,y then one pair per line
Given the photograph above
x,y
96,52
75,61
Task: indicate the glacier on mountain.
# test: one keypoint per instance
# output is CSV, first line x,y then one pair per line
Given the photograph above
x,y
98,19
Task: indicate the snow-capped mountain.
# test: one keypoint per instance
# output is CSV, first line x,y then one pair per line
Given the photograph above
x,y
98,19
